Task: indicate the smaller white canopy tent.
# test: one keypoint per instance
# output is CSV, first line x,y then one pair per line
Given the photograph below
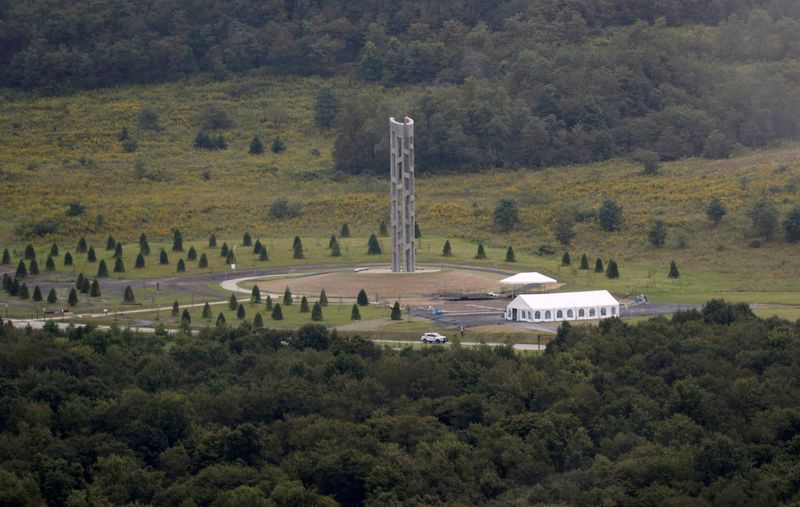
x,y
586,305
521,281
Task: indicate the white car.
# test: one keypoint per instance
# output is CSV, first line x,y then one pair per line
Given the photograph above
x,y
433,338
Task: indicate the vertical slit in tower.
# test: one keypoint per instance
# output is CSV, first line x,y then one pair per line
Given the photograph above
x,y
402,190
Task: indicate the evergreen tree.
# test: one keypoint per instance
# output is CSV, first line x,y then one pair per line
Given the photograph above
x,y
610,215
584,262
232,302
598,265
91,256
163,258
206,311
81,246
332,241
345,232
396,313
50,264
111,243
765,218
186,318
102,269
34,267
72,299
23,291
176,308
177,241
335,251
263,255
791,225
304,305
37,294
52,297
323,298
355,313
53,250
257,247
510,255
325,108
362,299
417,232
255,295
287,296
715,210
258,321
212,241
223,251
68,259
373,247
256,146
79,281
296,242
673,270
221,320
118,251
94,290
278,145
230,259
298,249
612,271
119,267
6,257
144,246
447,251
181,266
316,312
269,302
203,262
191,254
382,229
506,214
30,253
14,289
481,252
22,271
6,282
139,262
658,234
247,240
85,286
566,260
277,314
564,227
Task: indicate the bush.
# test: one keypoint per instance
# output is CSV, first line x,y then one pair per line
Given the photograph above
x,y
373,246
396,313
481,252
610,215
256,146
362,299
447,250
345,232
598,265
658,234
316,312
355,313
287,296
673,270
148,119
213,117
75,208
584,262
510,257
277,313
277,145
613,270
282,208
304,305
506,214
565,259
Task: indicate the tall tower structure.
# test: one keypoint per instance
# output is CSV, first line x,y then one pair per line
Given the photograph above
x,y
403,215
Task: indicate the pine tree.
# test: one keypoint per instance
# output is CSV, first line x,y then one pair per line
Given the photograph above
x,y
176,308
6,282
52,297
481,252
241,313
510,255
119,267
258,321
34,267
118,251
6,257
128,297
68,259
177,241
206,311
566,260
22,271
263,255
30,253
94,290
257,247
316,312
54,250
247,240
715,210
256,146
163,258
230,259
382,229
269,302
335,251
612,271
362,299
277,314
221,320
598,266
447,251
255,295
181,266
323,298
144,246
223,251
91,256
139,262
72,299
355,313
584,262
191,255
345,232
673,270
203,262
233,303
396,313
102,269
111,243
81,246
278,145
212,241
287,296
79,281
23,291
14,290
417,232
298,249
303,305
85,286
186,318
50,264
373,246
37,294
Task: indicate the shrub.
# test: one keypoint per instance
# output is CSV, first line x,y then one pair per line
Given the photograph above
x,y
203,262
316,312
673,270
791,225
584,262
255,295
75,208
175,308
396,313
223,251
598,265
72,299
345,232
52,297
323,298
22,271
506,214
263,255
257,247
37,294
181,266
256,146
355,313
34,267
610,215
258,321
247,240
269,302
23,292
30,253
213,117
79,281
111,243
94,290
119,267
417,231
102,269
220,320
373,246
163,258
232,302
277,145
118,251
565,259
144,246
148,119
130,145
53,250
447,251
6,257
68,259
658,234
481,253
212,241
91,256
186,318
277,313
191,255
304,305
298,249
282,208
85,286
382,229
510,255
765,219
287,296
362,299
613,270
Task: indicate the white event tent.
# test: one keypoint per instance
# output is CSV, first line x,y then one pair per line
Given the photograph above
x,y
522,280
586,305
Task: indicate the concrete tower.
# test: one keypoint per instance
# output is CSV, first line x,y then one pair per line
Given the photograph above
x,y
403,214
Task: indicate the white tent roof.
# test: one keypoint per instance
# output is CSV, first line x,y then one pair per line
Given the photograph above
x,y
526,279
567,299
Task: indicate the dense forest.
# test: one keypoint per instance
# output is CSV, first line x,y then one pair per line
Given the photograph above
x,y
505,83
699,410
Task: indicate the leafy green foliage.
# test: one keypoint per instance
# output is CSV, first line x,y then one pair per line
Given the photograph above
x,y
764,217
612,271
657,234
396,314
506,214
610,215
